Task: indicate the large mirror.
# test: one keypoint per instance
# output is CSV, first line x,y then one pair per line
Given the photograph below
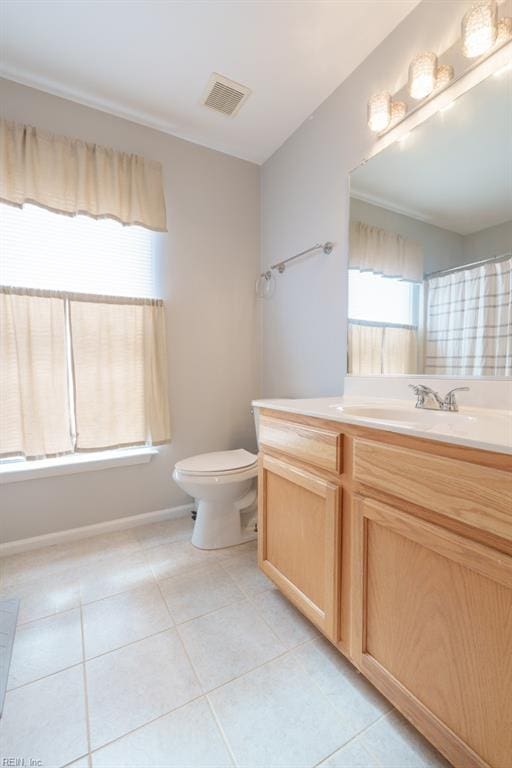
x,y
431,243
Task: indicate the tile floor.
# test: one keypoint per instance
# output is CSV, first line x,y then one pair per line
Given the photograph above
x,y
136,650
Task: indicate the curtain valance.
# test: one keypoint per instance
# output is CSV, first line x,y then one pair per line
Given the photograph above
x,y
71,176
385,253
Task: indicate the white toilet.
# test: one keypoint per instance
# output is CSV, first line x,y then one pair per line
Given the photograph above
x,y
224,486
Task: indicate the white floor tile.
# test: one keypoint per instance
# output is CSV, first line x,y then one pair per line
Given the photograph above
x,y
46,596
200,592
353,755
46,720
394,743
90,550
187,738
291,627
177,558
240,549
45,646
30,566
276,716
131,686
121,619
228,643
165,532
354,697
83,763
246,574
59,558
113,575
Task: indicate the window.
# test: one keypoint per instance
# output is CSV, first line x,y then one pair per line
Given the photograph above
x,y
83,359
377,299
47,250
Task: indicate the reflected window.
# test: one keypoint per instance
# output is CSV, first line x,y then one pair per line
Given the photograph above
x,y
374,298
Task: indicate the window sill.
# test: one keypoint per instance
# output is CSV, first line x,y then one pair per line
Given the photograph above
x,y
70,465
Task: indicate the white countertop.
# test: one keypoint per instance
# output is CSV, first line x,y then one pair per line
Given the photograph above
x,y
483,428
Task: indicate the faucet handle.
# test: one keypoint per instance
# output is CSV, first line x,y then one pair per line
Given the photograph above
x,y
450,403
420,391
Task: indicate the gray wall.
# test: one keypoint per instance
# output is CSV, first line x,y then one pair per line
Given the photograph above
x,y
493,241
305,199
208,270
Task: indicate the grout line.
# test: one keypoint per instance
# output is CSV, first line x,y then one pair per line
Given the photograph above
x,y
181,640
354,738
86,692
148,722
43,677
75,760
221,731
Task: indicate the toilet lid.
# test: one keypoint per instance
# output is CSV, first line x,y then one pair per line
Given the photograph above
x,y
220,461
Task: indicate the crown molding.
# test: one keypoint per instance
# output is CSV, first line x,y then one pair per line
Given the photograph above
x,y
113,108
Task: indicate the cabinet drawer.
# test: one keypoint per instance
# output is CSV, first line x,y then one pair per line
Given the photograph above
x,y
476,495
314,445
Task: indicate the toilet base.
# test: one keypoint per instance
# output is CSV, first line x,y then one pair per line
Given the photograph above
x,y
219,525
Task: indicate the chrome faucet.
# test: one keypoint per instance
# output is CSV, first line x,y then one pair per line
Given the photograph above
x,y
429,399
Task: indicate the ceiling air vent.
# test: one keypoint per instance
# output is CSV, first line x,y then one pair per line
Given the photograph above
x,y
224,95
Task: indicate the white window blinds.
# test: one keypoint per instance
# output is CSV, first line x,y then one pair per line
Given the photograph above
x,y
41,249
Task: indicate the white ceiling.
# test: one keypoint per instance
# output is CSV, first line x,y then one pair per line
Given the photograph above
x,y
150,60
454,170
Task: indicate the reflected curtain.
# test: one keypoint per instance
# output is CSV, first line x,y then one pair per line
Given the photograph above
x,y
71,176
378,349
385,253
35,409
469,321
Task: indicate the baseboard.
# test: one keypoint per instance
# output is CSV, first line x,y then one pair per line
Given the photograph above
x,y
86,531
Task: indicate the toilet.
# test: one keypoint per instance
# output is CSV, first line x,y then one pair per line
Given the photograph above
x,y
224,487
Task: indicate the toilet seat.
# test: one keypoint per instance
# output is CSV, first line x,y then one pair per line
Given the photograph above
x,y
219,463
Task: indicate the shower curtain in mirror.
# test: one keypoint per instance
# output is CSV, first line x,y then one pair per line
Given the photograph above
x,y
469,321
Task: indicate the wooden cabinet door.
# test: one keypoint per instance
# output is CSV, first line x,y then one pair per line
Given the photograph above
x,y
435,631
299,535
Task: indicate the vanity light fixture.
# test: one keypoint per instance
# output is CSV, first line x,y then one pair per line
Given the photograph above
x,y
479,28
398,112
422,75
444,75
504,30
482,34
383,112
379,111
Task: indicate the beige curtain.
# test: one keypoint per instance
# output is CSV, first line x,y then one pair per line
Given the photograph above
x,y
364,349
385,253
120,366
399,350
377,349
35,413
70,176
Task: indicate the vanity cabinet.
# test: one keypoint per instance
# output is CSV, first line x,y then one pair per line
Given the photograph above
x,y
436,631
400,550
299,525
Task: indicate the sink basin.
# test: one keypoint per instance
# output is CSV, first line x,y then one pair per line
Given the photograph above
x,y
381,414
406,417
